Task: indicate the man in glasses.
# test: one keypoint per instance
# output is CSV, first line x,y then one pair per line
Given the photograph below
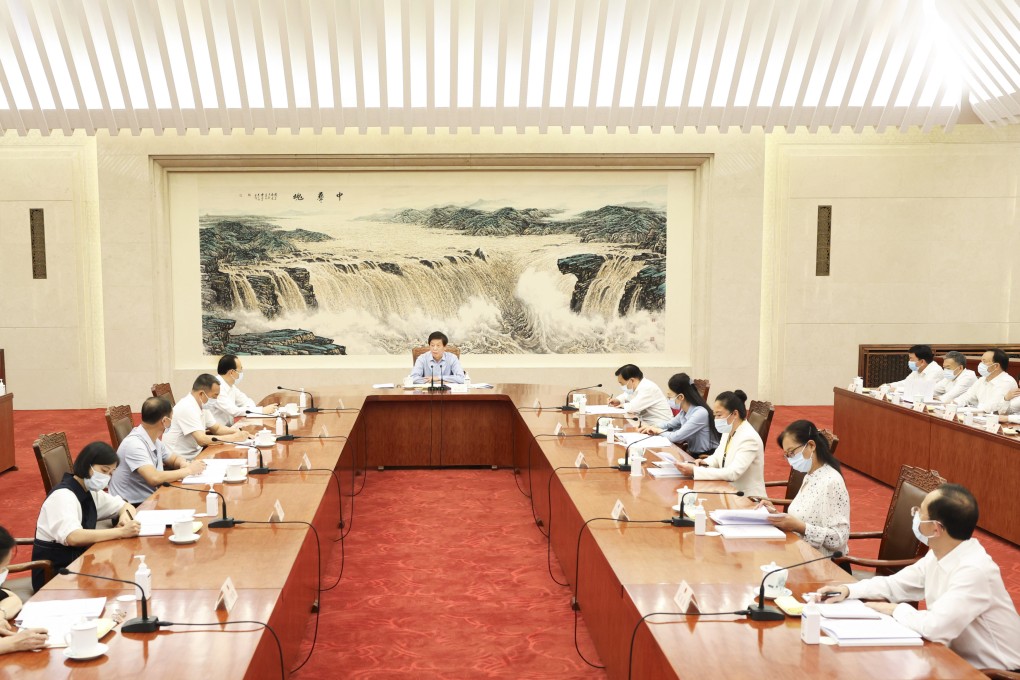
x,y
968,607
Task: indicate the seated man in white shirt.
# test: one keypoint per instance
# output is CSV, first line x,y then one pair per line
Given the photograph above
x,y
1010,407
232,402
991,388
967,606
921,362
437,365
193,427
145,462
956,377
641,396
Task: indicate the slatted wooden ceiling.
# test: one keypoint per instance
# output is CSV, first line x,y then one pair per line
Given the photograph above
x,y
483,64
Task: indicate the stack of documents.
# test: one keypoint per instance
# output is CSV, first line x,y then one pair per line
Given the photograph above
x,y
57,616
748,531
215,471
759,516
665,470
848,609
628,438
155,522
481,386
881,632
600,410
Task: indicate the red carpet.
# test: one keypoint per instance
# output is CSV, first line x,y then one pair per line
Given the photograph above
x,y
428,594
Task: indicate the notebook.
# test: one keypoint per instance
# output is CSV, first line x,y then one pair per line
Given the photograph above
x,y
882,632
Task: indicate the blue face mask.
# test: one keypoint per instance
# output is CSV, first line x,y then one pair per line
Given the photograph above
x,y
799,462
912,365
983,370
721,426
948,373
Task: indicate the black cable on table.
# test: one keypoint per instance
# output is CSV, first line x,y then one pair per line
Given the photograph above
x,y
279,647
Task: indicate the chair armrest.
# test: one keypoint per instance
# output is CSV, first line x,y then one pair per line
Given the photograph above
x,y
45,565
996,674
780,501
778,482
864,562
24,541
866,534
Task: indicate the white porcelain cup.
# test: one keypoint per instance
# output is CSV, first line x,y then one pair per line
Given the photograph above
x,y
408,381
918,398
83,638
292,409
264,437
235,472
692,497
776,583
894,398
183,528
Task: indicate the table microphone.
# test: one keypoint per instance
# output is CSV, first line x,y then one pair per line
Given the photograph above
x,y
682,521
625,466
310,409
139,624
596,434
760,612
567,406
222,523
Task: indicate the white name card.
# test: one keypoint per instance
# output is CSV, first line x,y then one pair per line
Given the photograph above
x,y
558,429
227,596
619,512
580,462
950,412
685,599
992,423
537,404
277,515
305,463
919,406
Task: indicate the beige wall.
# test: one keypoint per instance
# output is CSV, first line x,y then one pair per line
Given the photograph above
x,y
923,243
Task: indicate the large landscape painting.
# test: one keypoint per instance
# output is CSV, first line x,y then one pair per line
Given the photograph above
x,y
501,268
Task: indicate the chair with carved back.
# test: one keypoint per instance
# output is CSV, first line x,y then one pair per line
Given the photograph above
x,y
794,481
759,414
703,385
119,423
899,547
163,390
22,587
418,351
54,458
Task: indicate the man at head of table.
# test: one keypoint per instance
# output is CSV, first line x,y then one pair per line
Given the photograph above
x,y
437,363
967,606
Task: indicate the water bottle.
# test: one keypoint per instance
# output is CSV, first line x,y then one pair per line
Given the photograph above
x,y
279,426
700,519
212,506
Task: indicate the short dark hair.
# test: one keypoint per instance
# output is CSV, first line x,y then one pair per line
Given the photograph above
x,y
7,543
1001,358
804,431
228,363
203,383
155,409
734,401
923,352
956,509
439,335
628,371
96,453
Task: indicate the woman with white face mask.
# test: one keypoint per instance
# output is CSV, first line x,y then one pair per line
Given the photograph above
x,y
11,640
820,513
740,457
68,517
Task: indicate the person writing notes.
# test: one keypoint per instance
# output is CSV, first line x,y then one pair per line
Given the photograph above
x,y
193,426
67,520
967,607
921,362
641,397
145,462
10,604
956,378
740,458
820,512
991,388
693,424
437,363
231,402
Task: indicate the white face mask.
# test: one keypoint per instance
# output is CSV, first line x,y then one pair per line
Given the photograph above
x,y
722,426
983,370
240,377
917,530
97,482
799,462
948,373
3,576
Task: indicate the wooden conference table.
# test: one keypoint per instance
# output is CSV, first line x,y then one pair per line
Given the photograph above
x,y
624,571
876,437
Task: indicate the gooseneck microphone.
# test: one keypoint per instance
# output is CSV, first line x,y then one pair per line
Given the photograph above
x,y
261,469
285,437
139,624
224,522
567,406
597,434
625,467
310,409
682,521
760,612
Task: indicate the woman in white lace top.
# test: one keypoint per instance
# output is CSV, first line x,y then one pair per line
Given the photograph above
x,y
820,513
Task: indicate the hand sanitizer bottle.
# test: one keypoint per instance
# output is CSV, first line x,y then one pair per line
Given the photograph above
x,y
810,624
700,519
279,426
3,388
302,400
212,506
467,380
143,577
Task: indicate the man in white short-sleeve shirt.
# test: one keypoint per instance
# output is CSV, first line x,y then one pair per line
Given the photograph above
x,y
988,391
145,462
193,426
956,378
641,396
232,402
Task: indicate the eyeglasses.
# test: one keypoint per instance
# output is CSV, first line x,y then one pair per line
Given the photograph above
x,y
791,454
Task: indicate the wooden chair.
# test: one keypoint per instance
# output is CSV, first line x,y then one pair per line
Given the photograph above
x,y
163,390
995,674
22,587
119,423
759,414
54,458
702,385
793,482
418,351
899,547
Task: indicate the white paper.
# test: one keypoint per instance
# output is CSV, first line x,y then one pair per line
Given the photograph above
x,y
859,632
731,517
481,386
646,442
848,609
602,410
382,386
164,517
749,531
666,456
215,470
664,472
57,616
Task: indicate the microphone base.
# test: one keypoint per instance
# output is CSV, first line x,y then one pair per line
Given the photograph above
x,y
311,410
764,613
259,471
624,468
285,438
568,409
140,625
438,388
681,522
597,435
225,523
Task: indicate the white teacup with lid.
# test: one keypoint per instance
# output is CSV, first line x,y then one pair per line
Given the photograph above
x,y
775,585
